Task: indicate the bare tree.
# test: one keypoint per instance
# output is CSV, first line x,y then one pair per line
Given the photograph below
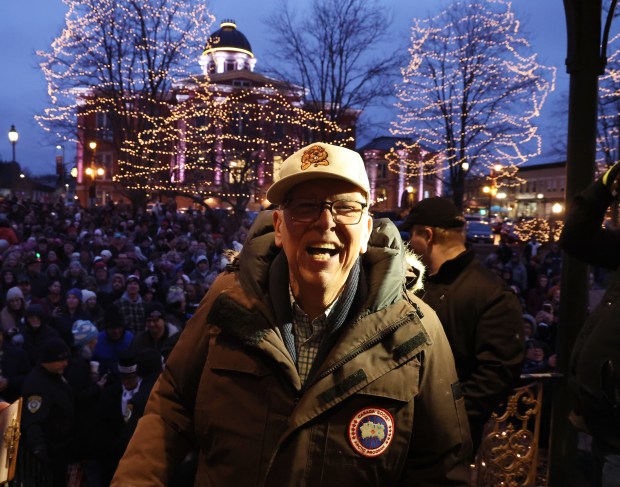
x,y
340,52
115,62
470,93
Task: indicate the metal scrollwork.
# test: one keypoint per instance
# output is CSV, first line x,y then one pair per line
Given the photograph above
x,y
509,449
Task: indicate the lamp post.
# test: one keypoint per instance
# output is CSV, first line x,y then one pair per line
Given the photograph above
x,y
13,137
541,205
60,165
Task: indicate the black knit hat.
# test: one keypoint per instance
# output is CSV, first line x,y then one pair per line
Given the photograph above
x,y
155,308
434,212
54,350
36,310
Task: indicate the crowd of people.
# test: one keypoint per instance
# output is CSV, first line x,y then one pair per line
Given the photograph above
x,y
92,301
532,271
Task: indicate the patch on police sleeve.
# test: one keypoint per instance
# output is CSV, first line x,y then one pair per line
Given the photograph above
x,y
128,413
371,431
34,403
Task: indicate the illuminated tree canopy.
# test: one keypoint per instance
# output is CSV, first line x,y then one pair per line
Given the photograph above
x,y
470,94
221,144
119,59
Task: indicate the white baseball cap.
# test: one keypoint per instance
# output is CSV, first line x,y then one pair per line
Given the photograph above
x,y
319,161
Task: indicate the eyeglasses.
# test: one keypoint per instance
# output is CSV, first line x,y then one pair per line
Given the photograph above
x,y
307,210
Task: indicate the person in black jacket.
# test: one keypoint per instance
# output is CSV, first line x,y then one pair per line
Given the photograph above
x,y
48,416
594,369
36,332
14,367
122,405
481,316
158,334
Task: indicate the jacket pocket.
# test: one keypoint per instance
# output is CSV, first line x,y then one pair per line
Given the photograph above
x,y
225,359
400,384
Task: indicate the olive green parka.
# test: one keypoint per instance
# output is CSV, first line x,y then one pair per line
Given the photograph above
x,y
231,391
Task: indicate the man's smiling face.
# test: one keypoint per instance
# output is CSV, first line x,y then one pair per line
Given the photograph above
x,y
321,253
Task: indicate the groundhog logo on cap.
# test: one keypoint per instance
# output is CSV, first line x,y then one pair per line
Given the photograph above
x,y
314,155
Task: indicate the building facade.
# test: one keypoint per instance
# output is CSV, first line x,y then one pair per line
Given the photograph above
x,y
235,125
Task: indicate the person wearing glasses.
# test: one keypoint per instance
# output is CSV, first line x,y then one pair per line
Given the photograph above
x,y
308,362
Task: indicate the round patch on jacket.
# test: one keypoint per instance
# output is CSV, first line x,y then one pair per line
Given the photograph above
x,y
371,431
34,403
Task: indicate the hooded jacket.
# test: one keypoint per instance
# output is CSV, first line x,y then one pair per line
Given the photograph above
x,y
594,370
383,407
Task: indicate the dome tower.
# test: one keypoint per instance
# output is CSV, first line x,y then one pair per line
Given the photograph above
x,y
227,50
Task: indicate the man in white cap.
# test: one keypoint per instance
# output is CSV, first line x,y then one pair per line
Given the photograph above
x,y
308,363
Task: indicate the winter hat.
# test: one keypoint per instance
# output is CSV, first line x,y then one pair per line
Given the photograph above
x,y
54,350
127,363
83,332
13,293
201,258
77,293
154,308
105,253
434,212
23,279
35,310
532,321
132,278
87,294
175,295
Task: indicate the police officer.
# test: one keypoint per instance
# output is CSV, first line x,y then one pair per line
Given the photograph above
x,y
49,416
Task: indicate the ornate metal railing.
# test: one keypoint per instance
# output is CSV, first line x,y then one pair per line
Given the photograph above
x,y
508,455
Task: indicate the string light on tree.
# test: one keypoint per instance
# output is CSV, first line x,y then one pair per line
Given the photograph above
x,y
608,135
120,91
470,94
222,146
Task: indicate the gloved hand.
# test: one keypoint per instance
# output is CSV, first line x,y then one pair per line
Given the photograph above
x,y
611,179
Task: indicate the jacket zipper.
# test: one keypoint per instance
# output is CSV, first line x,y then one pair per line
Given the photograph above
x,y
355,352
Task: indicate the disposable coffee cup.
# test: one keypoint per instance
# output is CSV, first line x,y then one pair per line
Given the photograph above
x,y
94,366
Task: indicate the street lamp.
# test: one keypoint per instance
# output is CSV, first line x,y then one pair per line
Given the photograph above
x,y
13,137
491,191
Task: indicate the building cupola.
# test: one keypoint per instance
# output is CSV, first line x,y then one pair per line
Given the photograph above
x,y
227,50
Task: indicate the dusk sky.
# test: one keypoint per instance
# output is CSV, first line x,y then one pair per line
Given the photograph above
x,y
30,25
